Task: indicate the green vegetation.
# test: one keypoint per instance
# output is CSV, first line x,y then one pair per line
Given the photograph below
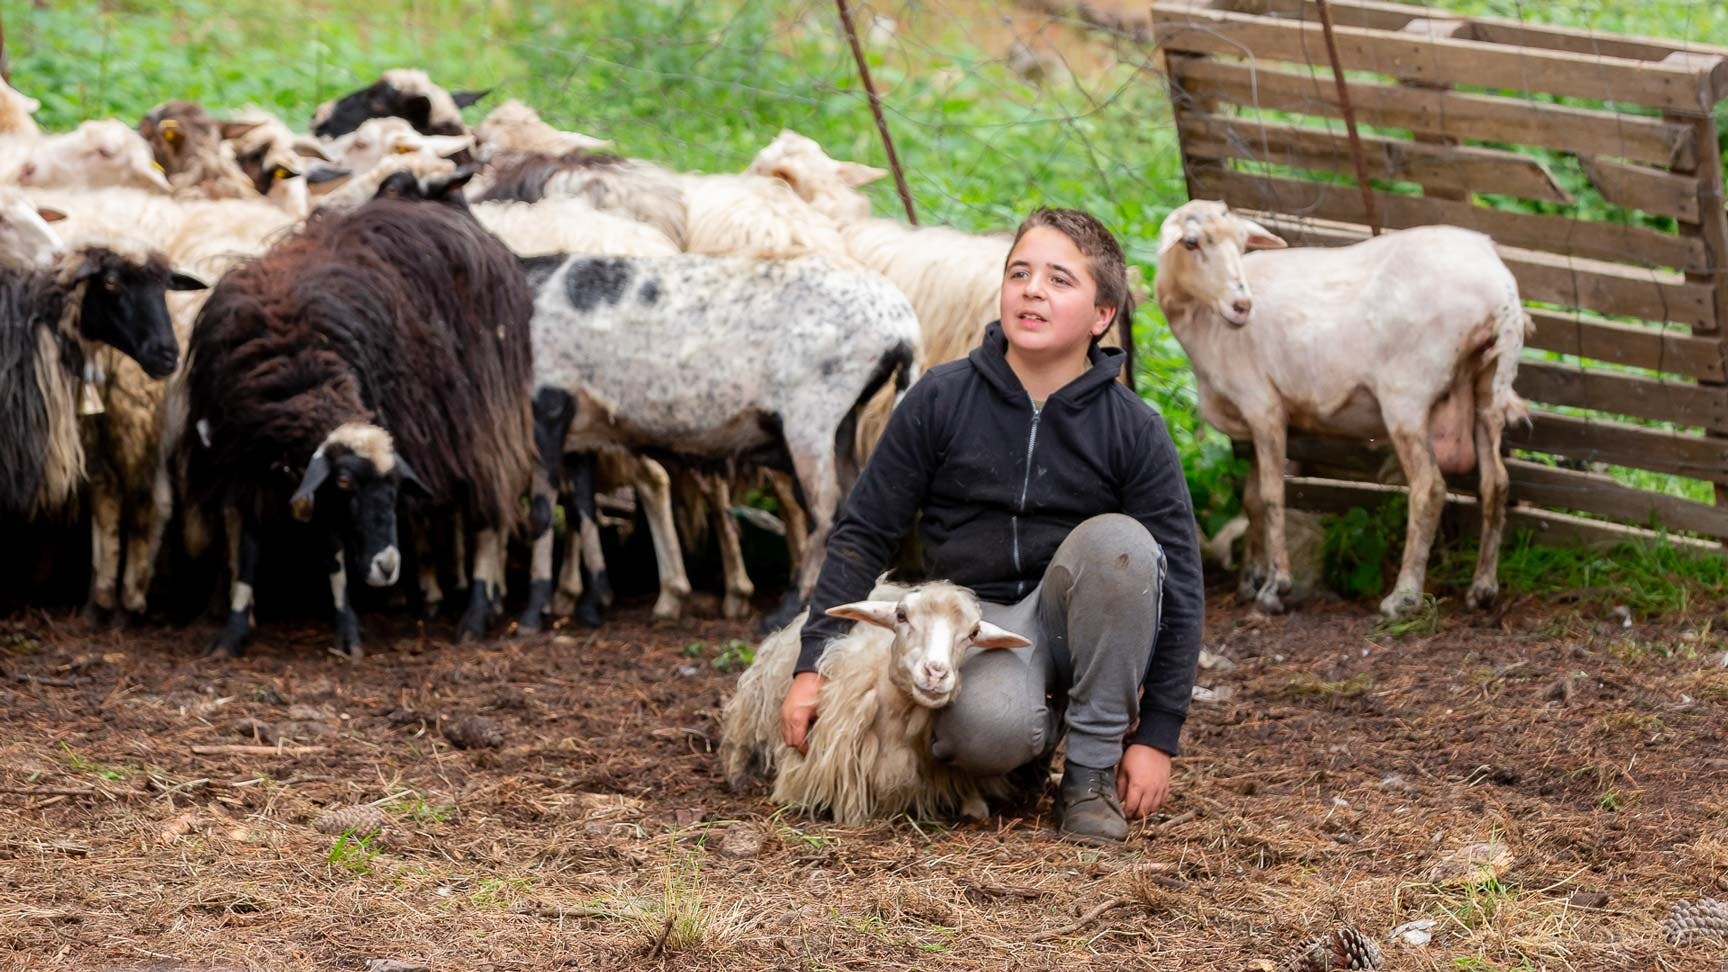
x,y
353,852
703,86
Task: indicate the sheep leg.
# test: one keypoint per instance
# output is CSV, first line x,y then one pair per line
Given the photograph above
x,y
1492,493
792,514
243,564
1254,541
105,512
1269,475
346,623
654,489
1427,500
426,568
533,617
149,521
570,575
739,589
484,597
820,484
583,588
459,550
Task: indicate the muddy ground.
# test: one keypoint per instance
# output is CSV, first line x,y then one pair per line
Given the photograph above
x,y
1329,786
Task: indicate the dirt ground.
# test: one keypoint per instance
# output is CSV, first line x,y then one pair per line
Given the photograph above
x,y
1328,783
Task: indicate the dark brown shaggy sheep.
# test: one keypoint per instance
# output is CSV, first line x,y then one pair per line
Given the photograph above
x,y
376,349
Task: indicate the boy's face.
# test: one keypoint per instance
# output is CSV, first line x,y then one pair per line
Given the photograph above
x,y
1049,300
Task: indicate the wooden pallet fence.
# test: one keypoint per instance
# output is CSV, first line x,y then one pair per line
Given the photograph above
x,y
1462,114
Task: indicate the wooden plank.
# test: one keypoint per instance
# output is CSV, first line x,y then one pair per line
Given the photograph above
x,y
1457,168
1494,30
1193,28
1627,344
1468,116
1619,444
1555,234
1557,529
1640,187
1532,483
1680,402
1605,288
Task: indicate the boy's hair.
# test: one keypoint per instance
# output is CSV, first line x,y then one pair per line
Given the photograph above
x,y
1103,257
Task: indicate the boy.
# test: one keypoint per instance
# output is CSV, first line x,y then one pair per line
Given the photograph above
x,y
1056,495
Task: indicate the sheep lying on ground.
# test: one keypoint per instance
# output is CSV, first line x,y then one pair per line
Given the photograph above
x,y
97,153
869,753
1413,336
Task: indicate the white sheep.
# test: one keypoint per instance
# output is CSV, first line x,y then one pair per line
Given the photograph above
x,y
15,111
26,239
513,128
869,750
106,152
363,148
1412,336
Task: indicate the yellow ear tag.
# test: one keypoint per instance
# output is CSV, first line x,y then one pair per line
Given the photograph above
x,y
170,130
278,174
405,150
157,165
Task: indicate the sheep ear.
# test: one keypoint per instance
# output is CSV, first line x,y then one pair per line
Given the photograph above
x,y
232,130
442,187
410,481
319,174
50,215
317,471
855,174
1169,235
442,146
879,613
417,110
465,98
992,636
308,147
1261,238
185,281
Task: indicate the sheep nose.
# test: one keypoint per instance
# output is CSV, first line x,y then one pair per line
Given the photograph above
x,y
384,567
1242,306
935,671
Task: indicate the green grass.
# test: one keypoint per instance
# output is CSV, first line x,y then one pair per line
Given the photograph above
x,y
704,85
353,852
1650,577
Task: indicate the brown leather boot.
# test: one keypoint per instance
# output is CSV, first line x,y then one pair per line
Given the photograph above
x,y
1088,806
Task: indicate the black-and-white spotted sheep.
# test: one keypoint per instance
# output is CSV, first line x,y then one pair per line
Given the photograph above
x,y
703,359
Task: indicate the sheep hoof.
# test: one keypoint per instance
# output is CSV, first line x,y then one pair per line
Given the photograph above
x,y
431,609
564,605
1249,586
349,649
482,605
1269,601
735,607
95,614
530,623
588,613
1400,604
668,607
1483,595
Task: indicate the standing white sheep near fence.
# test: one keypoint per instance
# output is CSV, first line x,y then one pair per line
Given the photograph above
x,y
1413,336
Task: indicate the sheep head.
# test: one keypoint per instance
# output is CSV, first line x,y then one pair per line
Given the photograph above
x,y
122,302
26,239
1200,249
357,475
934,626
829,185
106,152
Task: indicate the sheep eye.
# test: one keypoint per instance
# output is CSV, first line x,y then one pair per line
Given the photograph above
x,y
1191,244
974,635
900,615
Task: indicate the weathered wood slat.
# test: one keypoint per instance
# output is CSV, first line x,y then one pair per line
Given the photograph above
x,y
1459,168
1639,187
1194,28
1592,285
1638,138
1556,234
1680,402
1620,444
1338,496
1492,30
1626,344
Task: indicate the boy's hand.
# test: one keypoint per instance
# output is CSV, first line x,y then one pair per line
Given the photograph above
x,y
1142,780
798,712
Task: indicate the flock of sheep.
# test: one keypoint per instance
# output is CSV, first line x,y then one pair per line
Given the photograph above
x,y
414,336
716,324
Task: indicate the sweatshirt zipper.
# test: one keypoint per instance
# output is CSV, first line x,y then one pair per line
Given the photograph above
x,y
1025,486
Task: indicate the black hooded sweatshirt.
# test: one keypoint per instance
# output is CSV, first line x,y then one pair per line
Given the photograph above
x,y
1001,484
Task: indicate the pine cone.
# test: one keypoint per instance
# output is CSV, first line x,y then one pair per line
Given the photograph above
x,y
362,820
1696,921
1345,948
474,732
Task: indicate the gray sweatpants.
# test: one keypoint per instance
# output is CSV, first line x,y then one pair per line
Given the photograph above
x,y
1092,622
